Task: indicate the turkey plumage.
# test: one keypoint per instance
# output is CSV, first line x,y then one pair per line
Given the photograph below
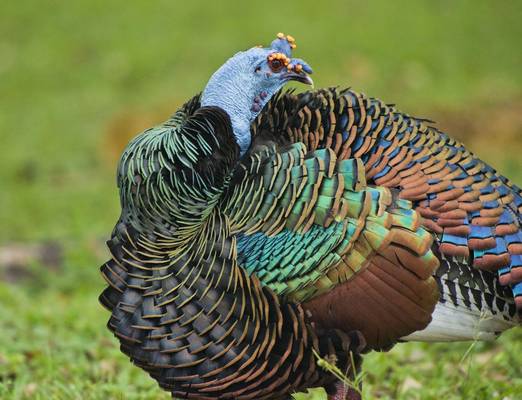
x,y
261,228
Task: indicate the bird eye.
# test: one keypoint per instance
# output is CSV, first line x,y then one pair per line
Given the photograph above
x,y
257,69
276,61
276,65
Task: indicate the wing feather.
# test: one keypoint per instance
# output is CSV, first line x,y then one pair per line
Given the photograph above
x,y
321,230
475,212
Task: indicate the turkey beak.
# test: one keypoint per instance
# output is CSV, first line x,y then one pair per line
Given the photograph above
x,y
300,77
298,70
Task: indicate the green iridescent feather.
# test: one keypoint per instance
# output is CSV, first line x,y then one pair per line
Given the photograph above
x,y
315,222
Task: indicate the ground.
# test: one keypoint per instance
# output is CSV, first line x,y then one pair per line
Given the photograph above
x,y
78,79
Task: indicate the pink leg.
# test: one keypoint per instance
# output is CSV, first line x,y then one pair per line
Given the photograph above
x,y
344,393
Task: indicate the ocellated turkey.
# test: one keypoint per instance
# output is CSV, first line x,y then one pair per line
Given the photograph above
x,y
261,229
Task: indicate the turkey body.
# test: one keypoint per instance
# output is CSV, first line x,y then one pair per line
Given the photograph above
x,y
471,213
346,226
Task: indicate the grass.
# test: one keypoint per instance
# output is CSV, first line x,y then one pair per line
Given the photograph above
x,y
79,78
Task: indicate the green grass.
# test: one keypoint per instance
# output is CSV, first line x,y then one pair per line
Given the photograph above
x,y
76,78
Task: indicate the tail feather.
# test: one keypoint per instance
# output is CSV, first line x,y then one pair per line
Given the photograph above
x,y
452,323
473,305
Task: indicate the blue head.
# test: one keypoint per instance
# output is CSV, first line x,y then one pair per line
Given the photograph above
x,y
247,81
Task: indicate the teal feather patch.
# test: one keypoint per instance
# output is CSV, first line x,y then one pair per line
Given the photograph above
x,y
290,260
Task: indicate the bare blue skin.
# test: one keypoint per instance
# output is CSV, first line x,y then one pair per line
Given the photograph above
x,y
245,83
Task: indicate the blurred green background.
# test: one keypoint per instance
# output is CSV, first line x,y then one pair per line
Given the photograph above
x,y
78,79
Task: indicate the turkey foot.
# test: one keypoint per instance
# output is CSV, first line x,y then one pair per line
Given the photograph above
x,y
343,392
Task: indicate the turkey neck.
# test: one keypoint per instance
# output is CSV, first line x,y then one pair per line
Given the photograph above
x,y
241,100
234,100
